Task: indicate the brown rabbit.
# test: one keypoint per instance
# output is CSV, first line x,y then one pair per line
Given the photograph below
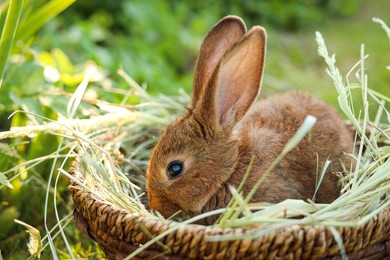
x,y
210,146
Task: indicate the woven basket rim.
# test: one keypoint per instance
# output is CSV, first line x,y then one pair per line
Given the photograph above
x,y
120,232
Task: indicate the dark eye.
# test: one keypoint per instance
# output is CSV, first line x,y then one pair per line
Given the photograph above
x,y
175,169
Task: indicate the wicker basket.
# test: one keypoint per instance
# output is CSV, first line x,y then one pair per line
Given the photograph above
x,y
119,233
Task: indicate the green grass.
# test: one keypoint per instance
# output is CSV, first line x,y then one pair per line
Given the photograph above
x,y
8,34
292,62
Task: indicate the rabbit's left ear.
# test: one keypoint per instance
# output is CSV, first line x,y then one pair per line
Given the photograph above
x,y
236,81
220,39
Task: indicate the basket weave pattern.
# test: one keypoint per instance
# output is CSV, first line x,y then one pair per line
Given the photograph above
x,y
119,233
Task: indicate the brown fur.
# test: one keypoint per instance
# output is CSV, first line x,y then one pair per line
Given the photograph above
x,y
217,136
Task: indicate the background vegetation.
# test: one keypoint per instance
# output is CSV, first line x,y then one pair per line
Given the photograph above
x,y
156,43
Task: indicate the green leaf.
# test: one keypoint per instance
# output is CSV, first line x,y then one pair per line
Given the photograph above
x,y
40,17
63,62
46,59
8,35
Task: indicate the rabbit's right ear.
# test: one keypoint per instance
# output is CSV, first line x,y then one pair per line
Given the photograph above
x,y
221,37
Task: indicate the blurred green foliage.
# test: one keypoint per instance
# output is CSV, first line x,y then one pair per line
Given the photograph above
x,y
156,42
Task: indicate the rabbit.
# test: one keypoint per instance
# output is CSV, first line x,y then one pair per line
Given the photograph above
x,y
209,148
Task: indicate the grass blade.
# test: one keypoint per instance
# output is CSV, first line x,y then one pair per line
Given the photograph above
x,y
340,243
35,244
384,26
8,35
5,181
302,131
318,183
75,100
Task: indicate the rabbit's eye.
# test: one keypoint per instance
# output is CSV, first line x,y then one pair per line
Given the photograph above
x,y
175,169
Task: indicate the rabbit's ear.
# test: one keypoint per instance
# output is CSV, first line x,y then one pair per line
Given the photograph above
x,y
220,38
236,81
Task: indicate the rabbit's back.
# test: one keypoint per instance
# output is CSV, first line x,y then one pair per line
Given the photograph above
x,y
271,124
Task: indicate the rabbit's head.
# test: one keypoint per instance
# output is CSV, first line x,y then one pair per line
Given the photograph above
x,y
199,151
